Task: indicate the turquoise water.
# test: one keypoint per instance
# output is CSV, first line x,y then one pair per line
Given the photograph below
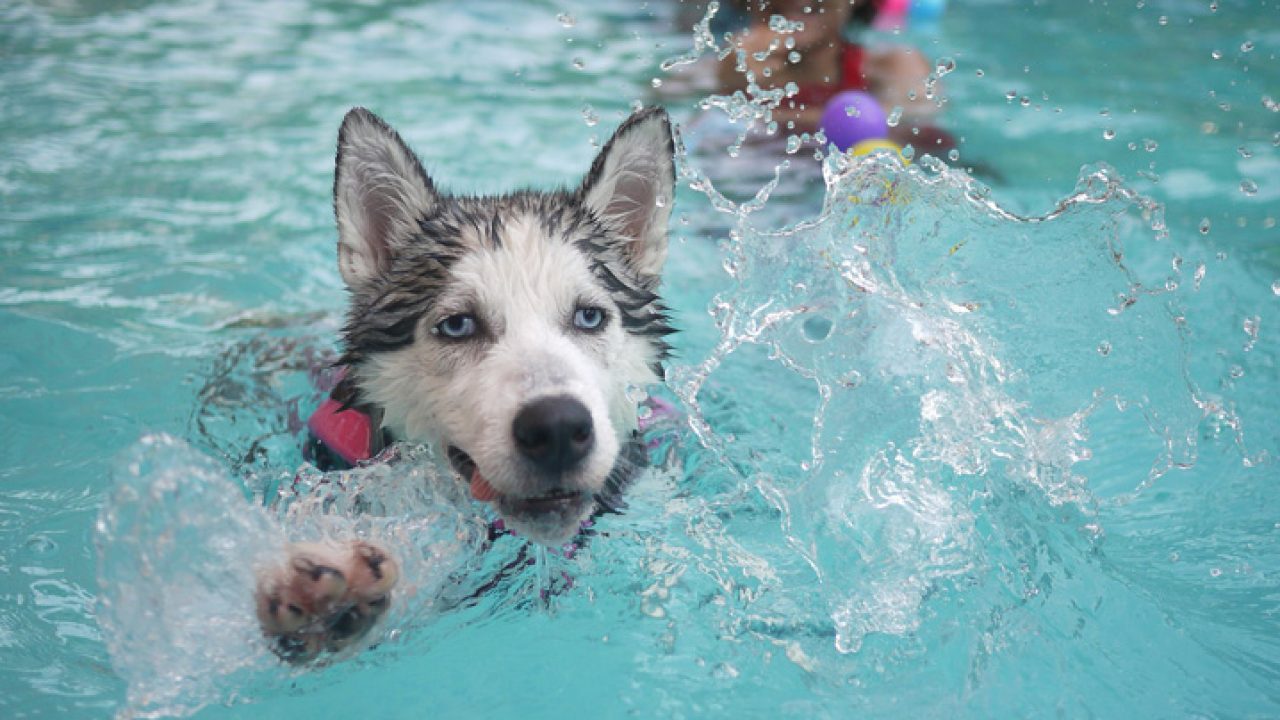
x,y
983,448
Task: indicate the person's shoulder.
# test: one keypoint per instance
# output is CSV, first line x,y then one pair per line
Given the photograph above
x,y
894,59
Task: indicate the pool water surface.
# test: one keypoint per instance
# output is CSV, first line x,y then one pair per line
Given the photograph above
x,y
986,436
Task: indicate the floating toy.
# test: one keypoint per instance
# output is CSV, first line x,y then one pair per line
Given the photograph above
x,y
852,117
867,147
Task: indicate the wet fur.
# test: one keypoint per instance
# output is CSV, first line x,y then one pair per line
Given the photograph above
x,y
522,265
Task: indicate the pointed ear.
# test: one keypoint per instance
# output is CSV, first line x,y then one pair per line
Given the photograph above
x,y
379,193
630,188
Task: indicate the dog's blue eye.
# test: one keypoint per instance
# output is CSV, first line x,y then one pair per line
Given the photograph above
x,y
456,327
588,318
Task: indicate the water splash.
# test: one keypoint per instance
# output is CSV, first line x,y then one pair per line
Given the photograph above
x,y
936,399
179,545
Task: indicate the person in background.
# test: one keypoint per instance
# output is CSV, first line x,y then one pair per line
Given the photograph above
x,y
822,63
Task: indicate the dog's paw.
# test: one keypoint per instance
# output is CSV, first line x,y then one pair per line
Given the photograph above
x,y
324,597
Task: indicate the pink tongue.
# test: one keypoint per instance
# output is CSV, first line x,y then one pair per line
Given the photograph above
x,y
480,488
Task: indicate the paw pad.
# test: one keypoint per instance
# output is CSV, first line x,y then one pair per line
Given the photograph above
x,y
325,597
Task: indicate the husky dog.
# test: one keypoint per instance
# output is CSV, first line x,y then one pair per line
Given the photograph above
x,y
505,330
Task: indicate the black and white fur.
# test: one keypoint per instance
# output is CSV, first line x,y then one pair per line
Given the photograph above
x,y
505,330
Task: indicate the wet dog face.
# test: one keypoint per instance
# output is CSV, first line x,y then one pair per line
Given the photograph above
x,y
508,330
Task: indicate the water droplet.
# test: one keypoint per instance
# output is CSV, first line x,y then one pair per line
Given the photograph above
x,y
1251,326
851,379
1248,187
979,72
1213,6
793,144
1236,372
656,82
1198,275
589,115
1215,571
579,63
895,116
567,20
40,544
1104,348
1149,145
1025,101
1246,46
1275,288
1011,95
1109,134
660,201
944,66
1125,302
1163,20
1216,54
793,57
908,152
780,25
1204,226
817,328
953,154
1244,152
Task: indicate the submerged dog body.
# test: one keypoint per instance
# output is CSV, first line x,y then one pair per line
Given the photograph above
x,y
506,330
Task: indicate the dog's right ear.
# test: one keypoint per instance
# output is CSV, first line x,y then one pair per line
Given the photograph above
x,y
380,192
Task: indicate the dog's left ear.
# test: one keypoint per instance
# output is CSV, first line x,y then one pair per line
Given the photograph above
x,y
630,187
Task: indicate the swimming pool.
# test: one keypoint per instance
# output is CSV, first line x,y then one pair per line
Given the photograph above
x,y
984,450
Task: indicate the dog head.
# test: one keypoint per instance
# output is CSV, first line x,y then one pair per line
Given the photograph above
x,y
508,330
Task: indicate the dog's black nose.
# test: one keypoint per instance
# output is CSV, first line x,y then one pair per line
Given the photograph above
x,y
554,433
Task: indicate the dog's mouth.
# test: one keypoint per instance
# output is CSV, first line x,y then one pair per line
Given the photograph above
x,y
556,503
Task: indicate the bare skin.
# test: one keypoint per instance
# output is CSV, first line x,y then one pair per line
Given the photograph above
x,y
895,76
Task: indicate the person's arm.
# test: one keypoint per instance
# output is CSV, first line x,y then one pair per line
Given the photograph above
x,y
751,41
897,76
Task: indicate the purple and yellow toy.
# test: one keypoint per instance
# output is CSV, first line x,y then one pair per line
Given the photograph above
x,y
853,116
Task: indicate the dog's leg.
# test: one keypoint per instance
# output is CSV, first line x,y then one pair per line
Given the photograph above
x,y
324,597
